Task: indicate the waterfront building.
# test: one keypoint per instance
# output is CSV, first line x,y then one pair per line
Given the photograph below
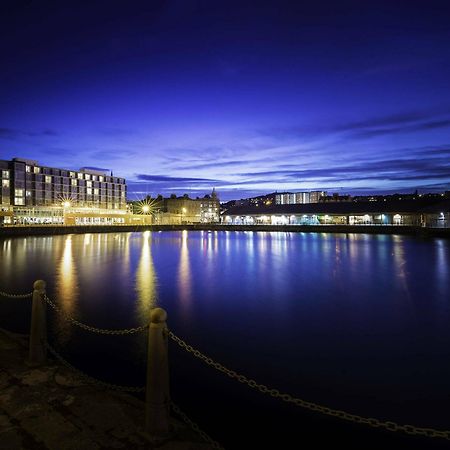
x,y
186,210
295,198
34,194
427,212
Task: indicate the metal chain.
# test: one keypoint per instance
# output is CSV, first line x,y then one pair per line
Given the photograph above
x,y
387,425
90,379
176,409
5,294
94,329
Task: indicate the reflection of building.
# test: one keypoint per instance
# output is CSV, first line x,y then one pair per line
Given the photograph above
x,y
35,194
184,210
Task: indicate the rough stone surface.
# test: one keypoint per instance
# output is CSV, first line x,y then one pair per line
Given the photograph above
x,y
50,408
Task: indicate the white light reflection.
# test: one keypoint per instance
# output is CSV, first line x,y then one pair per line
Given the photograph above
x,y
146,281
67,289
184,275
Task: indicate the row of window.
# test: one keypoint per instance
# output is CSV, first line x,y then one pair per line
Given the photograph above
x,y
89,191
20,201
72,174
73,181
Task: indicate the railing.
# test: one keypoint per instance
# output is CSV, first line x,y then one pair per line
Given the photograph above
x,y
158,404
157,396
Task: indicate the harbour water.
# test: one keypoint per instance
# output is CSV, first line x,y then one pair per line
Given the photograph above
x,y
352,321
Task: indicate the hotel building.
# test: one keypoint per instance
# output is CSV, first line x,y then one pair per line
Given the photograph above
x,y
34,194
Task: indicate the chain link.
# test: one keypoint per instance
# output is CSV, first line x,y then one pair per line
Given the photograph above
x,y
94,329
90,379
5,294
176,409
375,423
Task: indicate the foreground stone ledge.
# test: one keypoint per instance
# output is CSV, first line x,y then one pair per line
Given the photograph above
x,y
50,408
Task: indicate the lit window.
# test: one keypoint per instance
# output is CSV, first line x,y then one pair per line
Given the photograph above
x,y
94,177
72,174
48,179
80,176
5,183
73,182
100,178
18,192
36,169
5,173
95,191
19,201
88,183
89,191
88,177
27,169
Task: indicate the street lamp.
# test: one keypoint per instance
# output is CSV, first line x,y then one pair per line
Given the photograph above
x,y
145,209
66,205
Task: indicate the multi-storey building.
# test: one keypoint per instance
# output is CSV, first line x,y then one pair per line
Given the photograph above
x,y
33,193
183,210
295,198
210,208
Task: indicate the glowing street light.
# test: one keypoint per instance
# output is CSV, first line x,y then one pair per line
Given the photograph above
x,y
145,209
66,204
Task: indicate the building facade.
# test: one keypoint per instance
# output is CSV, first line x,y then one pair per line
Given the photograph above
x,y
297,198
36,194
185,210
423,212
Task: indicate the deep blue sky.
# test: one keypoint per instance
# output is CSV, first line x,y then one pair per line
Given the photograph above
x,y
248,97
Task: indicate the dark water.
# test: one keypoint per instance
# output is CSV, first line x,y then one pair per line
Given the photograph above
x,y
355,322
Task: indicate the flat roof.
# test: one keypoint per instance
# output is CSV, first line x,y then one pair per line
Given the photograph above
x,y
419,205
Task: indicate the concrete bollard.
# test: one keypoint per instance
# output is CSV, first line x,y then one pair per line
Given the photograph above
x,y
38,332
157,402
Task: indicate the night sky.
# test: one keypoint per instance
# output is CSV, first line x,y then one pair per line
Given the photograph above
x,y
246,97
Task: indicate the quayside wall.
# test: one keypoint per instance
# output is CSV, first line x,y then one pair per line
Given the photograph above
x,y
49,230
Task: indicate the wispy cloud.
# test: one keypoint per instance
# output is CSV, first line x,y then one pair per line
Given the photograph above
x,y
165,178
13,133
116,131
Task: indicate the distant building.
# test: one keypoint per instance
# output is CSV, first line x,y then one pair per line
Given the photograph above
x,y
335,198
296,198
210,208
430,212
185,210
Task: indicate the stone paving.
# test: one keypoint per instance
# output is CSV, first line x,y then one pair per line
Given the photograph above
x,y
50,408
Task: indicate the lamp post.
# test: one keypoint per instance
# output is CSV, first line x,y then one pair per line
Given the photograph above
x,y
66,205
145,211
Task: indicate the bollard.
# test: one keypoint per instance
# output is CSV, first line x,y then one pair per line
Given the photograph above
x,y
38,332
157,402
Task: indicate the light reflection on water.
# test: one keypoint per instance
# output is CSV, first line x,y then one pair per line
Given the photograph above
x,y
332,286
184,275
146,282
67,289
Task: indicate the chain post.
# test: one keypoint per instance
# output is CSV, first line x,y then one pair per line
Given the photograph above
x,y
38,331
157,402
